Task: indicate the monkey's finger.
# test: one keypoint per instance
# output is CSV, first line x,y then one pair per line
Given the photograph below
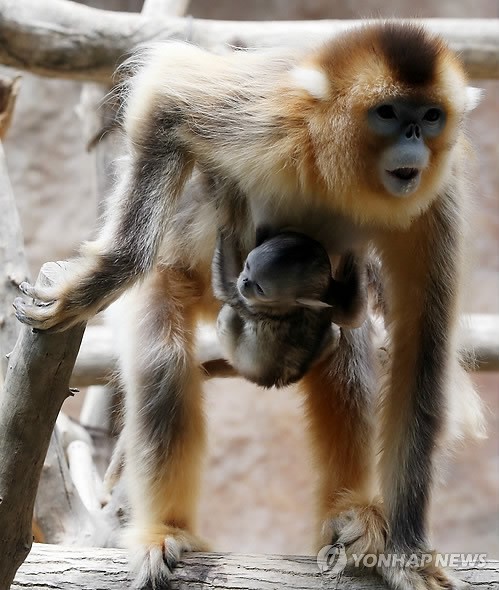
x,y
27,289
35,316
43,296
171,554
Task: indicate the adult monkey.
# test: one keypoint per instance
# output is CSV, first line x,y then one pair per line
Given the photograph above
x,y
358,144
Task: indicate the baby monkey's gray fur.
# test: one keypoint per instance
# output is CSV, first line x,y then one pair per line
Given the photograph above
x,y
282,305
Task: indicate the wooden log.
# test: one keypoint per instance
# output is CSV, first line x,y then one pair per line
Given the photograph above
x,y
67,568
68,40
96,361
36,384
480,336
165,7
9,89
58,508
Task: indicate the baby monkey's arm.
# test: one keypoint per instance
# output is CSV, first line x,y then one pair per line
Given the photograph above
x,y
347,293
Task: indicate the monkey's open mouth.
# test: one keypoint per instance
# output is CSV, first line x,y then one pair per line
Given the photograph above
x,y
404,173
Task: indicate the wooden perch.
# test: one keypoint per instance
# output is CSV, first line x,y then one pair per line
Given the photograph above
x,y
68,40
9,89
59,510
67,568
36,384
96,361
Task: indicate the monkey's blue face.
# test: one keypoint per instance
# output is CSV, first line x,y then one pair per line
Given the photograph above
x,y
408,127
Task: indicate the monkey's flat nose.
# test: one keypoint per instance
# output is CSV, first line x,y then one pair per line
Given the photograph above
x,y
245,286
413,131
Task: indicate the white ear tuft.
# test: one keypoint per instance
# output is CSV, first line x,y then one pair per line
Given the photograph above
x,y
312,80
312,303
473,97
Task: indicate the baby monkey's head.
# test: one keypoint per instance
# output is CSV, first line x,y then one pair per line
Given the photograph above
x,y
289,269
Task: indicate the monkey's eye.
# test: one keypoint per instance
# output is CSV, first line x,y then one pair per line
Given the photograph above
x,y
259,290
432,115
386,111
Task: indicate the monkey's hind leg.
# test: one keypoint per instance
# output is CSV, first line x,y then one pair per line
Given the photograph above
x,y
340,402
164,425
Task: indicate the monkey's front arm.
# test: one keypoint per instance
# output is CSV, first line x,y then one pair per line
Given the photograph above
x,y
125,250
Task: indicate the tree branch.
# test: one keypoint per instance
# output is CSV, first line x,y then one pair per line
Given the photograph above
x,y
36,385
165,7
9,89
68,40
86,569
97,360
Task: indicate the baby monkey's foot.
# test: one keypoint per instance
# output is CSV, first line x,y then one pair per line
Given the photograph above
x,y
153,562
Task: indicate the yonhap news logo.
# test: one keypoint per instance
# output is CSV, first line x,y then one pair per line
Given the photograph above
x,y
332,559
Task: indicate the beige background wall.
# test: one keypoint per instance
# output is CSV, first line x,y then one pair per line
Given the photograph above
x,y
257,491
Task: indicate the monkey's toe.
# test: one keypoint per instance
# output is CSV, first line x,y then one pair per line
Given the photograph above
x,y
153,564
42,296
427,577
361,528
150,570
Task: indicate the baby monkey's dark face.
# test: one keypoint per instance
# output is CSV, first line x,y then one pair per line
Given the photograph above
x,y
286,270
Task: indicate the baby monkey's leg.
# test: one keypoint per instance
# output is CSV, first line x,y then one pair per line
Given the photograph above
x,y
340,405
164,426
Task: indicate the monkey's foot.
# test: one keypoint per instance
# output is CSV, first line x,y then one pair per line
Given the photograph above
x,y
359,527
153,561
420,573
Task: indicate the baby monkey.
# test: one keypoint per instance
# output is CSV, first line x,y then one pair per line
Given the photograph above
x,y
280,309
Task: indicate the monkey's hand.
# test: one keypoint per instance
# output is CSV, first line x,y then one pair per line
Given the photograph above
x,y
152,563
66,294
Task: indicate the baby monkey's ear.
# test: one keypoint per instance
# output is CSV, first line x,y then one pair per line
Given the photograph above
x,y
312,303
263,233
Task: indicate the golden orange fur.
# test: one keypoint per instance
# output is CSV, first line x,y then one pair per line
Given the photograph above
x,y
282,138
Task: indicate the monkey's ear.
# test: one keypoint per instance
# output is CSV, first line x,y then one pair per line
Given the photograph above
x,y
473,97
263,233
312,303
311,79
